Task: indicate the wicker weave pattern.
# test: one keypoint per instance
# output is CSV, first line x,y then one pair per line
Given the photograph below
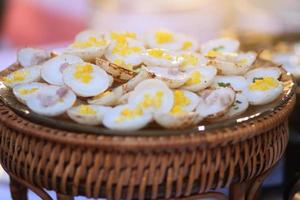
x,y
140,167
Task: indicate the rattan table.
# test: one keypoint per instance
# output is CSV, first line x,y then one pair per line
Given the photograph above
x,y
122,167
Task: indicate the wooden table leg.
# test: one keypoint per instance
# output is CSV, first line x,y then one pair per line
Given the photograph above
x,y
248,190
17,190
64,197
237,191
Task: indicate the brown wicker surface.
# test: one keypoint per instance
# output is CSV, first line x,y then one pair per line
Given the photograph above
x,y
119,167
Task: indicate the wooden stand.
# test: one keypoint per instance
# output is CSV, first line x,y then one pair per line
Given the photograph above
x,y
123,167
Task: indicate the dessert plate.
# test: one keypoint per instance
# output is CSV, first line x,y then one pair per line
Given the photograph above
x,y
62,122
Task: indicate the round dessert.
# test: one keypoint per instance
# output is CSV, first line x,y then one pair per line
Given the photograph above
x,y
125,82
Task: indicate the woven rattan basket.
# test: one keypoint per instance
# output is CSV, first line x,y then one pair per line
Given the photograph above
x,y
143,167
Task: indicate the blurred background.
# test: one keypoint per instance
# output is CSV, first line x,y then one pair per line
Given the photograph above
x,y
54,23
50,23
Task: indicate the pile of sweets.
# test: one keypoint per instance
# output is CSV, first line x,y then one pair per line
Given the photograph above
x,y
125,81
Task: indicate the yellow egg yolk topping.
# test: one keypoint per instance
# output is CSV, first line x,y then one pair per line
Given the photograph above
x,y
162,37
124,65
176,109
194,79
212,54
153,101
263,84
214,51
242,61
123,49
86,110
27,91
16,76
186,45
189,59
91,42
129,114
122,37
83,73
159,53
180,100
